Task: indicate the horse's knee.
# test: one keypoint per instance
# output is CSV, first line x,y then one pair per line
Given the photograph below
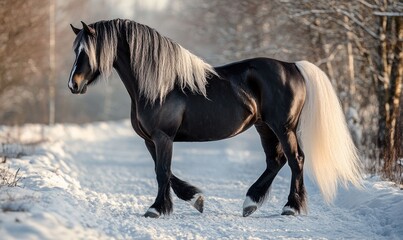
x,y
164,176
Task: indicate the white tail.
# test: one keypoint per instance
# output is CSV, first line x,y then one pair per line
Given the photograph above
x,y
329,150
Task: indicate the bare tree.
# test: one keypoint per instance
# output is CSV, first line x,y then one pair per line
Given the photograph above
x,y
22,60
373,44
243,29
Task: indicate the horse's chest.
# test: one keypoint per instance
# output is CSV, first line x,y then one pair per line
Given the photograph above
x,y
138,128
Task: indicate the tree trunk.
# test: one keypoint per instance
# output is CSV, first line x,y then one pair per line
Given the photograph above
x,y
52,84
396,92
383,86
392,68
397,76
351,70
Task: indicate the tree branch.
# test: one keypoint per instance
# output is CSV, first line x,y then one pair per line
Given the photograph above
x,y
358,22
312,11
330,57
388,14
367,4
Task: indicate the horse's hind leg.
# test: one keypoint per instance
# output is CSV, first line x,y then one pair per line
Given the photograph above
x,y
182,189
297,197
275,160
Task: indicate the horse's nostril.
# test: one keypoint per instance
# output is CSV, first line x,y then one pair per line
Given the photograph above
x,y
73,87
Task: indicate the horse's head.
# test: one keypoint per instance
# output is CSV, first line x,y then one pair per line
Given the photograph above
x,y
85,70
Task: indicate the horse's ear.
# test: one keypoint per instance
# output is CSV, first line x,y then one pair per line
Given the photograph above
x,y
88,29
75,30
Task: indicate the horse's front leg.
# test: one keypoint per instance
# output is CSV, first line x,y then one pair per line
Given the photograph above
x,y
163,149
182,189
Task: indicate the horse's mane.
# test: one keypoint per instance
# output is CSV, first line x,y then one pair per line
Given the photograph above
x,y
157,61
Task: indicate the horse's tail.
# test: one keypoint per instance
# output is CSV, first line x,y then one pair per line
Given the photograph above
x,y
330,154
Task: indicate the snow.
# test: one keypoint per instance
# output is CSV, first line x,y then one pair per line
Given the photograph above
x,y
95,181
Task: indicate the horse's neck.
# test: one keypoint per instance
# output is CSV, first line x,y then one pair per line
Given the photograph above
x,y
123,68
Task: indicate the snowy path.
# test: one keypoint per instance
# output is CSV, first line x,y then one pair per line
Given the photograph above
x,y
96,181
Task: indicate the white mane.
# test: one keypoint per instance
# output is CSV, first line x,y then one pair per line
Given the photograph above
x,y
157,62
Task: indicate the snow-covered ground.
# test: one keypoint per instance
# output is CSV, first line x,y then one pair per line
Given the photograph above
x,y
95,181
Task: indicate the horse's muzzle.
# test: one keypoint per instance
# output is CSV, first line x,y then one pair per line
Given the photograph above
x,y
79,91
79,84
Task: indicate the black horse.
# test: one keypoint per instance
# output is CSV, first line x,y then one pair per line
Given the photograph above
x,y
176,96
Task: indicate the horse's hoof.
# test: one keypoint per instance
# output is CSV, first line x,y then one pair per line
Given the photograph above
x,y
198,202
249,210
249,206
288,211
152,213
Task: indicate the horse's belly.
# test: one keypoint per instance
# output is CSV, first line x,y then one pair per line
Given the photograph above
x,y
214,123
227,111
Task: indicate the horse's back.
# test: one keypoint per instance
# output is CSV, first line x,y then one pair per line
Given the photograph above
x,y
245,92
